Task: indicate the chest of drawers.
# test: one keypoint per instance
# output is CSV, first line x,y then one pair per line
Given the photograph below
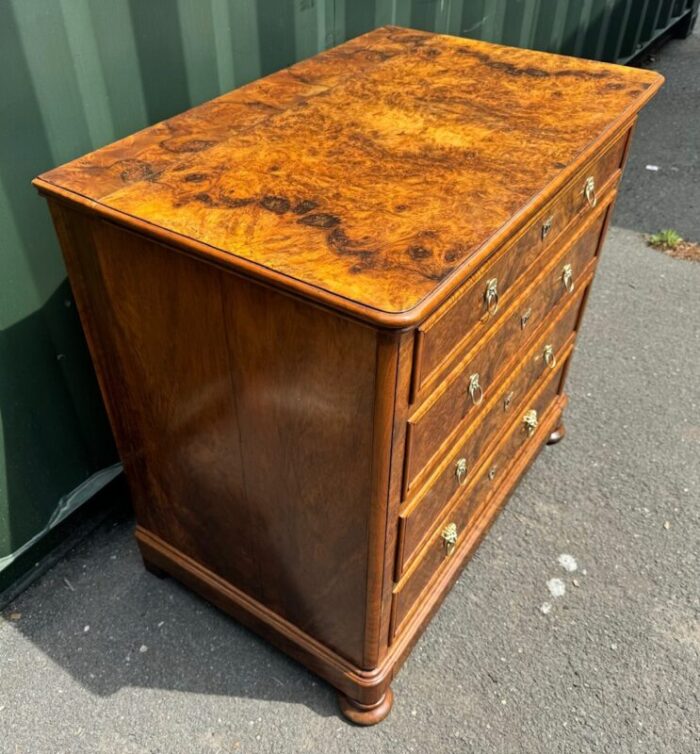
x,y
331,314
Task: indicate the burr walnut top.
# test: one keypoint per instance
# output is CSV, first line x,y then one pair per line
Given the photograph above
x,y
373,176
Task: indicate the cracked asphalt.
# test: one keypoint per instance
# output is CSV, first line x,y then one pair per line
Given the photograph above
x,y
100,656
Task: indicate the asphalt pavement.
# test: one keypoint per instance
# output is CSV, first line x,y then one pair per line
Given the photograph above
x,y
661,185
574,628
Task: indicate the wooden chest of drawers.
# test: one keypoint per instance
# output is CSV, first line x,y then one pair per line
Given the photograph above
x,y
332,313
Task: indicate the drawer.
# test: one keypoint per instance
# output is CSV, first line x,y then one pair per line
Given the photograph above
x,y
473,309
455,473
484,490
435,423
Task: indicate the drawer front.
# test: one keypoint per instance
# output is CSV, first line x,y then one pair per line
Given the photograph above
x,y
432,427
478,495
476,307
418,517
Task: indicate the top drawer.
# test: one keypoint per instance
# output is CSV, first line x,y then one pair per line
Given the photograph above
x,y
478,304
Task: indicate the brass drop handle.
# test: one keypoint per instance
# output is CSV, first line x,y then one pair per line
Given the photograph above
x,y
567,277
525,317
530,421
475,391
449,538
547,226
550,358
589,191
491,296
508,400
461,471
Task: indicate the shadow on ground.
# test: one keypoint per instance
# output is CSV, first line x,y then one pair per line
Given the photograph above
x,y
105,657
667,138
112,625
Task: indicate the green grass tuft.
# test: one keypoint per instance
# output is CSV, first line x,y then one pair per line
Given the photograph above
x,y
666,239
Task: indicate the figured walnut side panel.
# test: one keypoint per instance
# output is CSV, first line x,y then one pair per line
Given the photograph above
x,y
245,421
304,383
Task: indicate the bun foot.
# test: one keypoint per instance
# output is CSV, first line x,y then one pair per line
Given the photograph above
x,y
366,714
557,435
154,569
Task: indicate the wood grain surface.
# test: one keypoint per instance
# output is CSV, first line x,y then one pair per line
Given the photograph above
x,y
486,485
283,292
372,191
248,443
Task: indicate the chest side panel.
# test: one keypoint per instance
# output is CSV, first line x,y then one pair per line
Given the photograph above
x,y
304,385
244,419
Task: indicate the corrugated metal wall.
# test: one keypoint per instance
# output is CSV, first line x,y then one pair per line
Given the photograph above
x,y
613,30
74,75
77,74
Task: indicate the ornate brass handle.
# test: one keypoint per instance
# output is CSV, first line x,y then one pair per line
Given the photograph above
x,y
530,421
567,277
449,538
491,296
508,400
461,471
550,358
475,391
525,317
547,226
589,191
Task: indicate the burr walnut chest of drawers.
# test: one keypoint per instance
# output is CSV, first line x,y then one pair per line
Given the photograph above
x,y
331,314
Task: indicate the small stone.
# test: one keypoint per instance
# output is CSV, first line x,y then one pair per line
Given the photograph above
x,y
568,562
86,629
613,647
15,616
557,588
667,524
143,648
545,608
576,582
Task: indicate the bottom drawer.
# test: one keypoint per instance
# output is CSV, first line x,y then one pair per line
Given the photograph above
x,y
485,482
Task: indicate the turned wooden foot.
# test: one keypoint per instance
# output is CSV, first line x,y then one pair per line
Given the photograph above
x,y
154,569
366,714
558,434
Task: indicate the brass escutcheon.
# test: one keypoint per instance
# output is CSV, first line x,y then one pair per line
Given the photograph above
x,y
475,391
567,277
530,421
492,473
449,538
550,358
461,471
491,296
547,226
589,191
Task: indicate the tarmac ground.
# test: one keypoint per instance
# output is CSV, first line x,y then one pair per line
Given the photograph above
x,y
100,656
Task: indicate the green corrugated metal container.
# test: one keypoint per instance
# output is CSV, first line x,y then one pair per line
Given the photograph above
x,y
613,30
77,74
